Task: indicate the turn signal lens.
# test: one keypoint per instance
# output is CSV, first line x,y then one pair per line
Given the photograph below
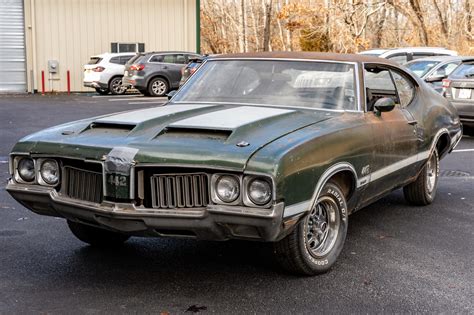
x,y
446,83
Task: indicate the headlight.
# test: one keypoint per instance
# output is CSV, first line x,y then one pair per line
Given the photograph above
x,y
259,191
26,169
50,172
227,188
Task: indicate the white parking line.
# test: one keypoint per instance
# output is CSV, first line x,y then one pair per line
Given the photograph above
x,y
109,96
464,150
138,103
141,98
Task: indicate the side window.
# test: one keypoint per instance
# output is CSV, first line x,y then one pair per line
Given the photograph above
x,y
168,59
180,59
156,58
378,84
399,58
125,59
405,89
421,55
115,60
446,69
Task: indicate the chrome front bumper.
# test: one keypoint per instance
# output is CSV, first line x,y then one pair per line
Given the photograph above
x,y
214,222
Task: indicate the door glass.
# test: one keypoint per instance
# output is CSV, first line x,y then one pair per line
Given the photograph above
x,y
168,59
180,59
378,84
156,58
405,89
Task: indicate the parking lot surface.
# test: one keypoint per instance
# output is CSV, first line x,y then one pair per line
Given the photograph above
x,y
397,258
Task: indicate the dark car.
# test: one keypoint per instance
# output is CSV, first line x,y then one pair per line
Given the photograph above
x,y
434,69
190,68
459,89
156,73
275,147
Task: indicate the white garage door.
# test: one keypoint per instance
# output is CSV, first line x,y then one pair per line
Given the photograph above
x,y
12,47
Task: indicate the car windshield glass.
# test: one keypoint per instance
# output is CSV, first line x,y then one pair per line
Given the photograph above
x,y
313,84
420,68
464,71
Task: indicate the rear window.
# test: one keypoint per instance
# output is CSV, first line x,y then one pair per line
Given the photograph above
x,y
466,70
94,60
420,68
135,58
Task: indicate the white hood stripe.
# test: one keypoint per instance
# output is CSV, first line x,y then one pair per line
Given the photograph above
x,y
138,116
230,119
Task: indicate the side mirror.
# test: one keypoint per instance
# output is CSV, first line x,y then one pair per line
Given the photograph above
x,y
384,104
435,78
171,94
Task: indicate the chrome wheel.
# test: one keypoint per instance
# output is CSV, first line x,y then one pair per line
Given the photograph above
x,y
159,87
431,173
322,226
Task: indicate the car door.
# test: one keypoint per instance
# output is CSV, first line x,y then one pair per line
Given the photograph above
x,y
174,64
394,133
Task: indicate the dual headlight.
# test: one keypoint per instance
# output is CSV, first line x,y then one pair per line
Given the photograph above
x,y
253,190
42,171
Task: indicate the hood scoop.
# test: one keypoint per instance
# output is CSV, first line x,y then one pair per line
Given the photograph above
x,y
105,127
194,133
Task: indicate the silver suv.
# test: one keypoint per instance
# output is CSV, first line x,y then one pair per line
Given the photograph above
x,y
406,54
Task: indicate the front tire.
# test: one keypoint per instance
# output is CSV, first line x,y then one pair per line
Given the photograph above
x,y
423,190
115,86
95,236
158,87
316,242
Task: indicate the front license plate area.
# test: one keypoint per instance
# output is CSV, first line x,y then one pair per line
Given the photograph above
x,y
465,93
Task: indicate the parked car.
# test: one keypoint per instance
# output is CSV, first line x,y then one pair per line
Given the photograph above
x,y
104,72
434,69
276,147
405,54
190,68
156,73
458,88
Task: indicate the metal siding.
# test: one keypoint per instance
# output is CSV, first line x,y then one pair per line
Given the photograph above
x,y
12,47
72,31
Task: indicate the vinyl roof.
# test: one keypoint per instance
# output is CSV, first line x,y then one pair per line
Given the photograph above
x,y
309,56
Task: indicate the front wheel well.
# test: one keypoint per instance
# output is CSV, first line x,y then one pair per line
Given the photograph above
x,y
346,181
442,145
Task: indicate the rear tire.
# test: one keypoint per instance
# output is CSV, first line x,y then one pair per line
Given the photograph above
x,y
102,91
95,236
115,86
158,87
316,242
423,190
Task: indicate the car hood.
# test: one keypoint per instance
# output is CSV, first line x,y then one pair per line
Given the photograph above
x,y
220,135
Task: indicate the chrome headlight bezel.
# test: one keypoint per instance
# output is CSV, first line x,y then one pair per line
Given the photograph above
x,y
246,193
215,196
16,172
41,178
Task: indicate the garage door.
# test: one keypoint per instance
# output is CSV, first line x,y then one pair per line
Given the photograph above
x,y
12,47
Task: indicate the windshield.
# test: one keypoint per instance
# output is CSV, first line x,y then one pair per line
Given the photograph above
x,y
319,85
466,70
420,68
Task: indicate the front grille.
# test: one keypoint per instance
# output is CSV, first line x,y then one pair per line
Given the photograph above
x,y
180,191
82,184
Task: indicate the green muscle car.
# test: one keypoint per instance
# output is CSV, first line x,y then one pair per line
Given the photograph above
x,y
275,147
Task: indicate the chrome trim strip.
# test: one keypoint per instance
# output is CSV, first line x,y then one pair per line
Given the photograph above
x,y
296,208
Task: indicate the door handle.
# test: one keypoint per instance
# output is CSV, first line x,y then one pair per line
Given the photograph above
x,y
412,122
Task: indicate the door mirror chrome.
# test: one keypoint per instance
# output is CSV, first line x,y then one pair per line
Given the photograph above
x,y
171,94
384,104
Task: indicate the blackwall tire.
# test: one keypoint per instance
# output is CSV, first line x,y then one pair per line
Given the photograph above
x,y
422,191
316,242
95,236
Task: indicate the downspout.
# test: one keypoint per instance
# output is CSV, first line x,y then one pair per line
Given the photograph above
x,y
33,40
198,26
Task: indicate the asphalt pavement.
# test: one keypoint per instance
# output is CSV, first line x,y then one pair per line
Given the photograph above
x,y
397,258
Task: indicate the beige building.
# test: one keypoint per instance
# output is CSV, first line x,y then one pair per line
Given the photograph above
x,y
36,33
